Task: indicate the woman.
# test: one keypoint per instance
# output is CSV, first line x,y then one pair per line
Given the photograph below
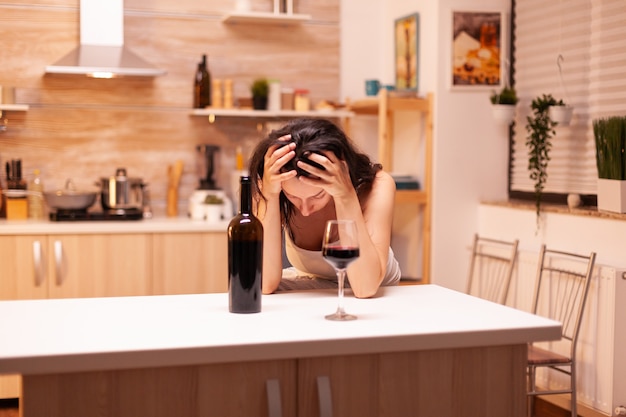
x,y
309,172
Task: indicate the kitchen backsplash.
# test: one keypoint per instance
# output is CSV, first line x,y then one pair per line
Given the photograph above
x,y
84,128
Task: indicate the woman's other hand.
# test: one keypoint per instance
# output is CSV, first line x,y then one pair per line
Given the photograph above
x,y
333,177
275,158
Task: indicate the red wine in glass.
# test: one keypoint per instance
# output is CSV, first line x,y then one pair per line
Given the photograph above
x,y
340,248
340,256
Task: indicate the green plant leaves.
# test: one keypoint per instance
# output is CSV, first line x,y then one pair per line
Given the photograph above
x,y
540,130
610,139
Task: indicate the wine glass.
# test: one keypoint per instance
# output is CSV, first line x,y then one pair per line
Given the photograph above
x,y
340,248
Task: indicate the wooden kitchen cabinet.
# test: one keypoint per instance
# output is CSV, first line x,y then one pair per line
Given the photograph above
x,y
99,265
413,383
258,388
248,389
345,385
82,265
190,263
23,269
214,390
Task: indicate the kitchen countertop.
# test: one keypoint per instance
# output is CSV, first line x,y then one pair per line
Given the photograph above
x,y
153,225
72,335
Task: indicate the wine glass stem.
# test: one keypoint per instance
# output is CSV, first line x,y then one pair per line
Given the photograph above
x,y
341,276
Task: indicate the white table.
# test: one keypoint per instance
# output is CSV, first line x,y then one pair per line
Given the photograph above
x,y
126,341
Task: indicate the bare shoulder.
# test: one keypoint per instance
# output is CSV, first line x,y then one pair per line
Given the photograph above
x,y
382,192
384,183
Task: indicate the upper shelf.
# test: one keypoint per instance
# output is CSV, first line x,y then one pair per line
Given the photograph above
x,y
270,114
14,107
394,103
265,18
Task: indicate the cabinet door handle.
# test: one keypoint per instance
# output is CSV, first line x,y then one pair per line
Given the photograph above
x,y
273,398
38,263
58,259
324,396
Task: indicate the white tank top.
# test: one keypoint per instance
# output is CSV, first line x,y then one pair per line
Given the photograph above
x,y
311,262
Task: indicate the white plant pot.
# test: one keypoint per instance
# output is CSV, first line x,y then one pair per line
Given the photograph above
x,y
503,113
213,212
612,195
561,114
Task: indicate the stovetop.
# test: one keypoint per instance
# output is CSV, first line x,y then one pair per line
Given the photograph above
x,y
84,215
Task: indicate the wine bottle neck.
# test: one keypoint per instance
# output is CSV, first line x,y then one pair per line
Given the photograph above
x,y
246,196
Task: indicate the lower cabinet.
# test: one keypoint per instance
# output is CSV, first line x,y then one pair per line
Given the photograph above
x,y
190,263
469,382
260,389
69,266
338,386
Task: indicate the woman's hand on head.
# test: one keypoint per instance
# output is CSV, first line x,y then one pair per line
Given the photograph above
x,y
334,178
275,158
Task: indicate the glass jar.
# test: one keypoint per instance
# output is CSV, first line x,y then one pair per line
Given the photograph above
x,y
301,100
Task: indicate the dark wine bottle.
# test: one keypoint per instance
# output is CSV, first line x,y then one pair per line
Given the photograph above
x,y
245,256
202,85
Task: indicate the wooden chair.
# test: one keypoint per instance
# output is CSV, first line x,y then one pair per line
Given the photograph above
x,y
491,268
560,294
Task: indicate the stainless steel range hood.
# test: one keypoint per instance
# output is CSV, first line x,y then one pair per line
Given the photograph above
x,y
102,52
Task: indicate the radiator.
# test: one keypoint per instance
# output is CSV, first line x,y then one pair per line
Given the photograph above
x,y
601,350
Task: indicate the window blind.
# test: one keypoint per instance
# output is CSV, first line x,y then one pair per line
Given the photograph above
x,y
574,50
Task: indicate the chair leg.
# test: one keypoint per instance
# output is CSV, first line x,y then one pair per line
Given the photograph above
x,y
530,399
573,396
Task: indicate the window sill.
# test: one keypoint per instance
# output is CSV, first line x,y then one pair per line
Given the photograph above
x,y
586,211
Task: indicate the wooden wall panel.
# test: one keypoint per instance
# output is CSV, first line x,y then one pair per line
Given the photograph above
x,y
84,128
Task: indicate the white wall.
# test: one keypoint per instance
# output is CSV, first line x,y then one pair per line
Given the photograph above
x,y
574,233
470,155
470,152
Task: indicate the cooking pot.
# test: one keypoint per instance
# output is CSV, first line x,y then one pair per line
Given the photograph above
x,y
122,192
70,198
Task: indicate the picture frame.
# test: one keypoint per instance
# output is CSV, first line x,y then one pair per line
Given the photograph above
x,y
478,50
406,37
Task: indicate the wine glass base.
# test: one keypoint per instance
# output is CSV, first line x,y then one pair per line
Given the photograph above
x,y
340,317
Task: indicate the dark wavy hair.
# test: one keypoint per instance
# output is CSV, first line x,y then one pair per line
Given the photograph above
x,y
313,135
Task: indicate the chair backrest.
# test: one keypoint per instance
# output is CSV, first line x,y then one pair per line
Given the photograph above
x,y
561,289
491,268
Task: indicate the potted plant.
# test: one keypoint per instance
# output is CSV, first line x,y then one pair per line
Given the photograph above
x,y
260,91
540,130
561,113
610,138
504,102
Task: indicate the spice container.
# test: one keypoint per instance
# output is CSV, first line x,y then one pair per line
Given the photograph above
x,y
35,197
274,98
301,100
217,102
228,94
17,205
286,99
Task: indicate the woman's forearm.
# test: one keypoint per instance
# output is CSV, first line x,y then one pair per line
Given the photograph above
x,y
269,214
367,272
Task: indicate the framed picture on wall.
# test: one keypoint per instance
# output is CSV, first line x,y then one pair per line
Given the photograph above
x,y
406,36
478,50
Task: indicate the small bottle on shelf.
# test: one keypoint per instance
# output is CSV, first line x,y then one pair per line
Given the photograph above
x,y
35,197
216,100
228,94
273,100
301,100
202,85
245,255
